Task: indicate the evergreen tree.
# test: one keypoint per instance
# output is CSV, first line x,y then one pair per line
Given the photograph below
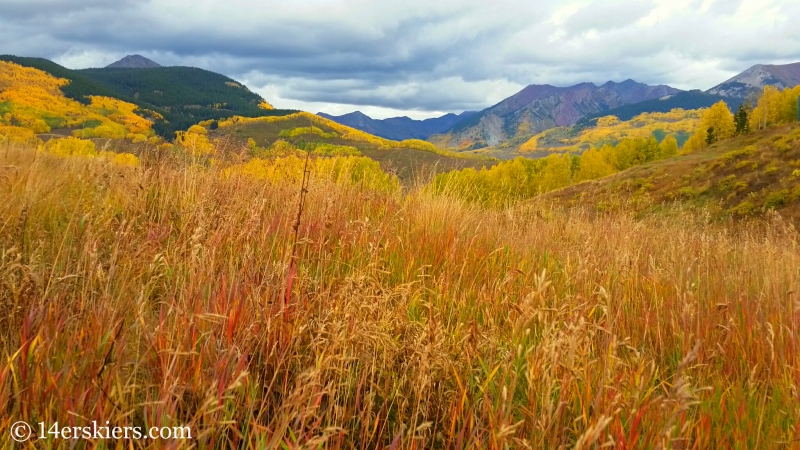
x,y
742,120
711,137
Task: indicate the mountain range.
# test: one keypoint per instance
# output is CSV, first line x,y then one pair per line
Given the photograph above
x,y
399,128
187,95
540,107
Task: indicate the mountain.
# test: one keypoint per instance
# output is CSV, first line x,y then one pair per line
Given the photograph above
x,y
755,78
540,107
187,94
183,96
133,62
399,128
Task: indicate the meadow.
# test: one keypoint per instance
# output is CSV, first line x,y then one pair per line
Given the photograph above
x,y
321,310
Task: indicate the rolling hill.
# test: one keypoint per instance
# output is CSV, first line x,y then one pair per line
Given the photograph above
x,y
399,128
540,107
271,136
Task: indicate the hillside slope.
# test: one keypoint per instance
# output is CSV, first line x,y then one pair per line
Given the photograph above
x,y
743,176
32,102
268,136
399,128
187,94
540,107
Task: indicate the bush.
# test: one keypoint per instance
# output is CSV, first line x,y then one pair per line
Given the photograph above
x,y
70,146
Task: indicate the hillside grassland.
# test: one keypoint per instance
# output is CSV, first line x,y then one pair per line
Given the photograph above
x,y
265,313
739,177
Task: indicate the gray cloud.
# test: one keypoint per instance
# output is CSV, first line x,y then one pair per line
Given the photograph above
x,y
414,55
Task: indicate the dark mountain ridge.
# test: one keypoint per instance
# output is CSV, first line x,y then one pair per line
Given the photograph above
x,y
399,128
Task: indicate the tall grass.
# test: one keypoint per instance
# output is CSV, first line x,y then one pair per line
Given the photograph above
x,y
155,295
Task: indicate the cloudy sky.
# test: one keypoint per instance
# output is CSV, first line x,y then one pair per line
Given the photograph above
x,y
419,58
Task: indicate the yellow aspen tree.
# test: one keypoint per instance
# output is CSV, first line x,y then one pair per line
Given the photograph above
x,y
668,147
696,142
593,166
720,119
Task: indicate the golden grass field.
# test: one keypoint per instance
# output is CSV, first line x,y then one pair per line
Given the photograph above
x,y
180,295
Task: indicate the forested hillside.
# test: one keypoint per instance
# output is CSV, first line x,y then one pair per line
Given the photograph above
x,y
32,103
187,95
181,96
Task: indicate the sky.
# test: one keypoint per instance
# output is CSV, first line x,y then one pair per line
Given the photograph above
x,y
418,58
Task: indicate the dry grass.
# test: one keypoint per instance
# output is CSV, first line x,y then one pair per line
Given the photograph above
x,y
744,176
156,295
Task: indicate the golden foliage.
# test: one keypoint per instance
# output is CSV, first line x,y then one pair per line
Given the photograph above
x,y
530,145
610,130
35,102
70,146
17,135
607,121
720,119
122,113
716,123
352,170
343,132
592,166
696,142
265,105
299,131
775,107
522,178
122,159
15,77
195,141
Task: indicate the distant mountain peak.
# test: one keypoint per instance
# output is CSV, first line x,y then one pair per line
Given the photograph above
x,y
755,78
133,62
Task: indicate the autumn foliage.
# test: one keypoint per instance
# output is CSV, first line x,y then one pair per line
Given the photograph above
x,y
31,99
